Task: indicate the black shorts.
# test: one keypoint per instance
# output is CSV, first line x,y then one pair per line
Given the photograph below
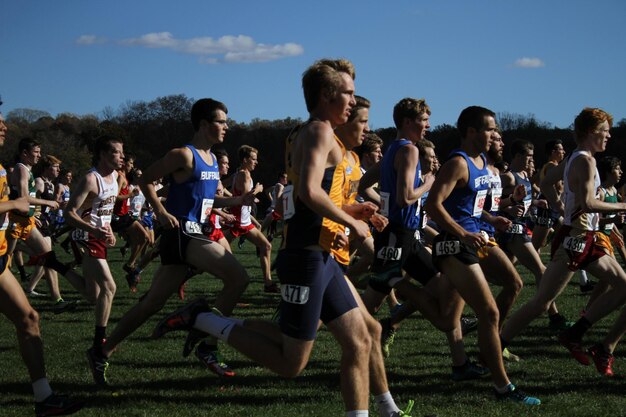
x,y
445,245
4,260
173,243
395,250
313,288
547,217
120,223
516,231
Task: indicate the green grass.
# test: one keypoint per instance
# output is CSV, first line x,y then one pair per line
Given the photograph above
x,y
153,379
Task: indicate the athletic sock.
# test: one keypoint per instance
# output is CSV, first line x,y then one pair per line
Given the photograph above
x,y
386,404
98,336
217,326
583,277
22,272
357,413
579,328
41,389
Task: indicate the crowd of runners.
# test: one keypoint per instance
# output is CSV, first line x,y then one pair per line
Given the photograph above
x,y
356,229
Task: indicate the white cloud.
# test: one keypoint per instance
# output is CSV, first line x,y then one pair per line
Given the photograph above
x,y
529,63
227,48
90,40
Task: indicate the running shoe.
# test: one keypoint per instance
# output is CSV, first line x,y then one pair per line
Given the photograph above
x,y
406,412
213,361
193,337
242,239
57,405
394,310
468,371
517,396
133,278
181,319
558,323
602,359
34,293
62,306
575,348
387,336
509,357
468,325
98,365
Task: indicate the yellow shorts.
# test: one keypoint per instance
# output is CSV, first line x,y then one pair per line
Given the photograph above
x,y
21,227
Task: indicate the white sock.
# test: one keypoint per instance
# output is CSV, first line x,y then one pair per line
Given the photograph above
x,y
583,277
357,413
386,405
215,325
41,389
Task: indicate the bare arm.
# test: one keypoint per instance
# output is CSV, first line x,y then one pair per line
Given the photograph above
x,y
405,164
548,186
313,159
21,175
367,182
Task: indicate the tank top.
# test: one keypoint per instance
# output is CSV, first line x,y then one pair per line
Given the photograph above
x,y
192,200
465,205
47,194
4,218
122,207
527,201
406,217
303,226
243,213
574,215
609,198
100,212
492,204
32,192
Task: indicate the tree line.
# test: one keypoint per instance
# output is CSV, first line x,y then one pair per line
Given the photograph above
x,y
150,129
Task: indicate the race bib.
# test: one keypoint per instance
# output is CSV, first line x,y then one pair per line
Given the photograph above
x,y
447,247
78,234
574,244
479,203
516,229
389,253
294,294
496,195
287,200
207,206
192,228
384,203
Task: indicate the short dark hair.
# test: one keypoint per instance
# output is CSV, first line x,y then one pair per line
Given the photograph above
x,y
361,103
27,144
552,144
204,109
521,147
104,144
606,165
473,116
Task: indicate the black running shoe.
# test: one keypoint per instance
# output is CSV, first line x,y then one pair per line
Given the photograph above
x,y
98,365
57,405
181,319
193,337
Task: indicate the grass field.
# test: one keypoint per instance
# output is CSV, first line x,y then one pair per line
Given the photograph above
x,y
152,378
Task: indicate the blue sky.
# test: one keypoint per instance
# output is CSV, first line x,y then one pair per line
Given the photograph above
x,y
549,58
